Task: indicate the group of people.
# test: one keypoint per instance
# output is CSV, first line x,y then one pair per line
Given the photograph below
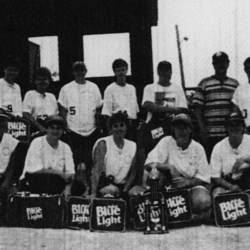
x,y
73,147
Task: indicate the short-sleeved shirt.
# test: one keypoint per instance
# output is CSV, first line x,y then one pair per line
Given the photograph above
x,y
190,163
120,98
40,106
118,161
81,102
7,146
215,99
42,156
172,96
241,98
10,98
224,156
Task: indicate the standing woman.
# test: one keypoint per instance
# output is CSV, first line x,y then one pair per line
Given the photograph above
x,y
39,104
116,158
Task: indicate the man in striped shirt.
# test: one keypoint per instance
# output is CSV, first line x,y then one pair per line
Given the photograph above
x,y
212,103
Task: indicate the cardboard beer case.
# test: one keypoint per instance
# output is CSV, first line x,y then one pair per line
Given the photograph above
x,y
78,212
137,205
35,211
107,214
178,205
19,128
232,209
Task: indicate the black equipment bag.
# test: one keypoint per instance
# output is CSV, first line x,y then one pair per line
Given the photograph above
x,y
78,212
108,214
232,209
137,205
35,211
178,205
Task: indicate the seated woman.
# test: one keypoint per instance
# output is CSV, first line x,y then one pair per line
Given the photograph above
x,y
186,161
38,104
48,156
230,158
114,159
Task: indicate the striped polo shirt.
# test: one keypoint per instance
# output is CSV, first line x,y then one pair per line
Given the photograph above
x,y
215,96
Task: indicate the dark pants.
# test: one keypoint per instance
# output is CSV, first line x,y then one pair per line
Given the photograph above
x,y
82,147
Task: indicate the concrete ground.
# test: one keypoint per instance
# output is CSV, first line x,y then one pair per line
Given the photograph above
x,y
189,238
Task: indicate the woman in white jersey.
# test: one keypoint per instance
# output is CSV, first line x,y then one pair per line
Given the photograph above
x,y
114,158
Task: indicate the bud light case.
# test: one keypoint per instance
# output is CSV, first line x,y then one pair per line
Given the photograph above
x,y
178,205
231,209
107,214
78,212
36,211
137,204
19,128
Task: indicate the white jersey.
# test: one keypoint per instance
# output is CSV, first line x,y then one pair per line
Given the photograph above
x,y
120,98
172,96
241,98
7,146
10,98
224,156
81,102
42,156
190,163
40,106
118,161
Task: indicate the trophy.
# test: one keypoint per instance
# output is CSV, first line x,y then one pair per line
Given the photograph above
x,y
155,206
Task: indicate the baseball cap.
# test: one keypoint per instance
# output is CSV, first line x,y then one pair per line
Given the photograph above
x,y
164,65
79,64
55,119
235,117
3,115
182,118
220,57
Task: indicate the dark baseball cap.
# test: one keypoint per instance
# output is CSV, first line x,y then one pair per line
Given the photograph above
x,y
220,57
182,118
79,64
55,119
164,66
235,118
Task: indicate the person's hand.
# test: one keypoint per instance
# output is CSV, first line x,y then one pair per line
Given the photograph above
x,y
204,136
239,162
91,197
180,182
235,188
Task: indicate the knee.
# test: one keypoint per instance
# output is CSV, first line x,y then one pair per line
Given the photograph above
x,y
200,199
110,189
217,191
136,190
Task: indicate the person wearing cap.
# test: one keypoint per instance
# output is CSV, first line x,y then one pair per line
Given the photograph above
x,y
79,102
230,160
241,98
114,156
212,103
8,146
184,160
39,104
48,155
120,95
163,98
10,94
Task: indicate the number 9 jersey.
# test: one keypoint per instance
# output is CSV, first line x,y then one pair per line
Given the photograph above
x,y
10,98
81,102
